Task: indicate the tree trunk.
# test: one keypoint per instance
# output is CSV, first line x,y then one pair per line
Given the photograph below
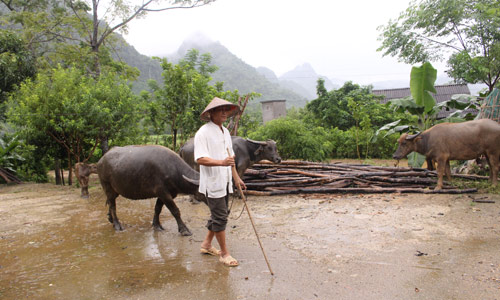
x,y
104,145
94,44
62,177
57,170
357,141
174,139
70,169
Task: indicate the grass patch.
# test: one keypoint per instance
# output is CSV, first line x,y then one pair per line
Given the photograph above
x,y
483,186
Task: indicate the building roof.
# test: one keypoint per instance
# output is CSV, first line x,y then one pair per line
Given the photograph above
x,y
444,93
267,101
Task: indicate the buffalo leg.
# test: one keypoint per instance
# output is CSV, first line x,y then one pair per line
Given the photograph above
x,y
84,183
174,210
430,164
489,164
493,162
111,201
441,169
113,218
448,170
156,218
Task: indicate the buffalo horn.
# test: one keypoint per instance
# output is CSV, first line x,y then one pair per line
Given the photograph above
x,y
257,142
411,137
193,181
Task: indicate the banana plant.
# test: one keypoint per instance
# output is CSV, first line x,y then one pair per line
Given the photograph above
x,y
8,156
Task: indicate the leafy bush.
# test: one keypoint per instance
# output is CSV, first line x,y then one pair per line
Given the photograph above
x,y
35,165
344,144
9,157
21,159
295,140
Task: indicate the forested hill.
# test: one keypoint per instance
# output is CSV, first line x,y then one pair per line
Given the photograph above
x,y
236,74
150,68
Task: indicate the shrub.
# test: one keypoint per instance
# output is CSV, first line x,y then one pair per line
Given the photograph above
x,y
344,144
295,140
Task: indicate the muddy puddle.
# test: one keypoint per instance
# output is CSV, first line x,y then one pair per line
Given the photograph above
x,y
56,245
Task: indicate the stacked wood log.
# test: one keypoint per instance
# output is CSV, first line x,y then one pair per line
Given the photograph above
x,y
8,176
297,177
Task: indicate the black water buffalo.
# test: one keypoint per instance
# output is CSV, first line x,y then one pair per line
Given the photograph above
x,y
247,152
141,172
455,141
82,172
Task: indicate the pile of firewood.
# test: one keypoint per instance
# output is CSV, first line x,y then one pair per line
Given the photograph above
x,y
297,177
9,176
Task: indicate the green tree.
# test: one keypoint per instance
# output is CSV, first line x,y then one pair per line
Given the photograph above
x,y
186,91
40,23
107,18
184,94
199,69
75,110
361,115
171,101
331,109
16,64
80,29
82,32
465,32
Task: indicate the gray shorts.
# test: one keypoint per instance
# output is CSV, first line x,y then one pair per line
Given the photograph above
x,y
218,213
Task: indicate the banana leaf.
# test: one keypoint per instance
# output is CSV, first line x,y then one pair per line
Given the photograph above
x,y
422,85
415,160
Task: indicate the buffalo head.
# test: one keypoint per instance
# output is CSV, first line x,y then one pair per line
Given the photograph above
x,y
406,145
267,150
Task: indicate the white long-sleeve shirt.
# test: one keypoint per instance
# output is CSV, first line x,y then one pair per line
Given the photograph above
x,y
210,141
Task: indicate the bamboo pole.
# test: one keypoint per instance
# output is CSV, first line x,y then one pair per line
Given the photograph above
x,y
235,175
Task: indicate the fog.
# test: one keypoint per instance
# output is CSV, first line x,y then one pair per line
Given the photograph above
x,y
337,38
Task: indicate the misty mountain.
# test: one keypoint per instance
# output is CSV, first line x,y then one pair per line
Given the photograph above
x,y
238,75
149,68
235,73
303,80
268,74
296,86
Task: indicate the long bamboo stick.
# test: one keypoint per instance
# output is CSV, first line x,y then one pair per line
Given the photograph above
x,y
235,175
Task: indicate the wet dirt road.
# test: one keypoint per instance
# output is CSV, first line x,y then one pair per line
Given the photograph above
x,y
56,245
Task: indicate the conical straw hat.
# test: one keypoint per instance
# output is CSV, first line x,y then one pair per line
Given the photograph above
x,y
217,102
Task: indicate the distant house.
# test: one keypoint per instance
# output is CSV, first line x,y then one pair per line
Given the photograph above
x,y
273,109
444,93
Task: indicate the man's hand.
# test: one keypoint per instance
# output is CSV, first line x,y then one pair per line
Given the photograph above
x,y
242,184
210,162
228,161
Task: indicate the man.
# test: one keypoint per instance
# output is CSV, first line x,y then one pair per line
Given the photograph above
x,y
211,145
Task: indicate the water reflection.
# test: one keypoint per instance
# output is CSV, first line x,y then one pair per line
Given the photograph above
x,y
84,258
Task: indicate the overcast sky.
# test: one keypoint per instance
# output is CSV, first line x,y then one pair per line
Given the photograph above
x,y
338,38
